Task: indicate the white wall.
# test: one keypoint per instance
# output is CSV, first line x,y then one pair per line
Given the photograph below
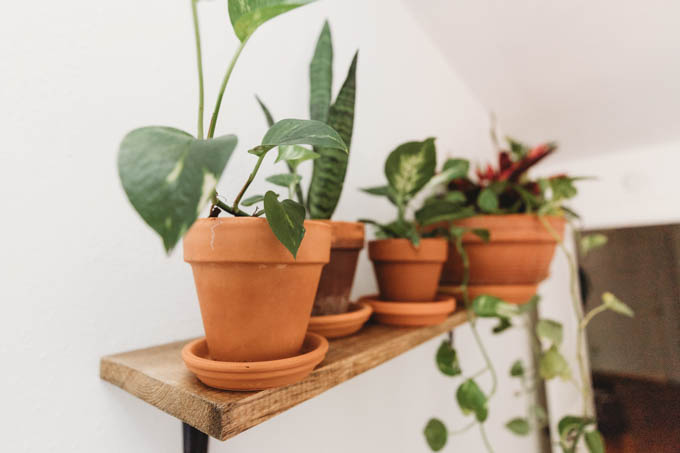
x,y
82,276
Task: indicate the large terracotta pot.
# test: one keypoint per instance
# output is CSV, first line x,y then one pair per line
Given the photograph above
x,y
405,272
335,286
256,300
519,252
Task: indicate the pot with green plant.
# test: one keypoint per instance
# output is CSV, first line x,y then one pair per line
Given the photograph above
x,y
332,315
505,202
407,266
255,277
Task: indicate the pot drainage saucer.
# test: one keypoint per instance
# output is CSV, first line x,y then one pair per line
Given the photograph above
x,y
409,314
342,325
515,294
245,376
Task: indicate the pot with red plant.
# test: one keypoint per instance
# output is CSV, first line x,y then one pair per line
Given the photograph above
x,y
407,266
505,221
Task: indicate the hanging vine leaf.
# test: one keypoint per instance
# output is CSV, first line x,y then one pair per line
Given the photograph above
x,y
447,360
436,434
550,330
169,176
517,369
614,304
592,242
247,15
594,442
519,426
552,364
471,399
328,174
321,76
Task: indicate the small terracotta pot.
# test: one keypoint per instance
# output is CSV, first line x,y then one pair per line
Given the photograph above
x,y
256,300
335,286
519,252
407,273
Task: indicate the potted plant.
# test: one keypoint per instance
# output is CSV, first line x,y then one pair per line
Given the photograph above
x,y
256,278
330,312
515,256
406,265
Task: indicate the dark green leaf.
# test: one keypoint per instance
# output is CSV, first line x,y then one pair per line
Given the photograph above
x,y
518,149
552,364
436,434
517,369
594,442
471,399
453,169
503,324
570,429
486,306
383,191
247,15
267,114
321,76
563,188
295,154
328,174
455,196
549,330
286,220
169,176
447,360
488,201
303,132
409,167
284,179
482,234
252,200
519,426
442,211
614,304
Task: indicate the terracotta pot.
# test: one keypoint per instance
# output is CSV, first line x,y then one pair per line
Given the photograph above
x,y
256,300
519,253
515,294
407,273
335,286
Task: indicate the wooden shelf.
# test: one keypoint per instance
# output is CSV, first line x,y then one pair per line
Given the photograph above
x,y
158,376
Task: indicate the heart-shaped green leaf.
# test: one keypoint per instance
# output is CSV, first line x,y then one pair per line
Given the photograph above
x,y
321,76
247,15
436,434
552,364
295,155
442,211
471,399
519,426
570,429
488,201
614,304
594,441
591,242
284,179
517,369
453,169
303,132
286,219
549,330
409,167
447,360
169,176
486,306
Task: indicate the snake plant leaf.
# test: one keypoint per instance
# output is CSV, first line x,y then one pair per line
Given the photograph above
x,y
267,114
614,304
552,364
321,76
252,200
169,176
328,174
286,219
550,330
247,15
284,179
592,242
594,441
447,360
519,426
409,167
436,434
471,399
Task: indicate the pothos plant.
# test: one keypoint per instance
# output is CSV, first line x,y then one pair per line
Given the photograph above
x,y
330,163
504,190
170,176
409,169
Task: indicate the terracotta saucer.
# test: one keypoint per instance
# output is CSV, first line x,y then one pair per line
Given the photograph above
x,y
411,313
254,375
342,325
515,294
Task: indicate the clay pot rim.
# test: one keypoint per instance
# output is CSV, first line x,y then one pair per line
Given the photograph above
x,y
318,344
403,250
346,235
444,303
493,289
359,311
512,228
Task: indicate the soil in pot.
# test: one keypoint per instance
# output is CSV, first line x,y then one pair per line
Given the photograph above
x,y
255,298
519,252
337,277
405,272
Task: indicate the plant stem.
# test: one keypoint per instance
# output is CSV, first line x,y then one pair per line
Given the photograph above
x,y
227,75
235,212
578,312
487,444
199,62
251,177
463,429
591,314
298,187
